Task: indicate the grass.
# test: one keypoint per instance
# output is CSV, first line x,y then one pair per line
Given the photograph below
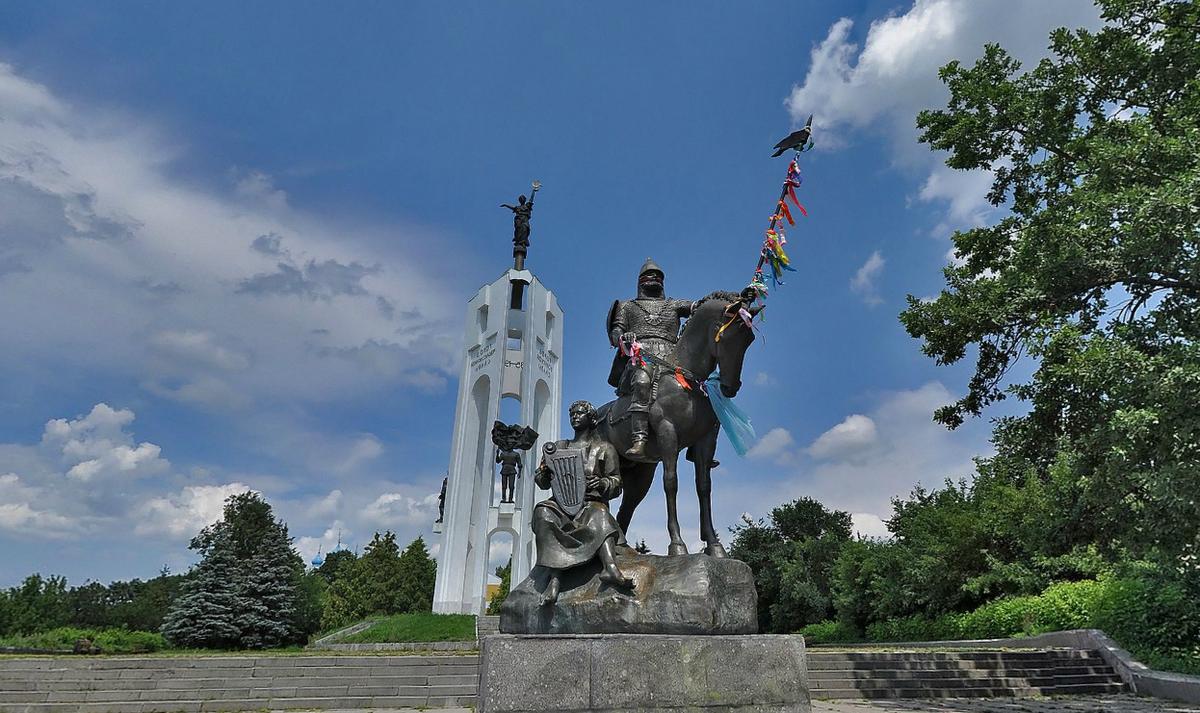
x,y
416,627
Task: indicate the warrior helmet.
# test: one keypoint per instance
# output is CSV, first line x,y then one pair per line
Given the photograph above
x,y
650,266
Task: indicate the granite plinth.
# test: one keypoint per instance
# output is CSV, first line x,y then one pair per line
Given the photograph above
x,y
687,594
643,672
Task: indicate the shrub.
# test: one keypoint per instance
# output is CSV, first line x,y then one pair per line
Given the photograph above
x,y
1154,611
913,628
830,632
110,641
1066,605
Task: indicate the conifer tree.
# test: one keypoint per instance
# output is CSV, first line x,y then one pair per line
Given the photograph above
x,y
245,589
417,574
204,615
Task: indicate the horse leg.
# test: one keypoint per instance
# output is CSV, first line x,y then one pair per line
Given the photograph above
x,y
669,447
636,480
702,456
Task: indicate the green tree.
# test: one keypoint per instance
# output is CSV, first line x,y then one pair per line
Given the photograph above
x,y
505,575
335,561
245,590
418,573
1092,272
793,559
369,585
205,613
37,604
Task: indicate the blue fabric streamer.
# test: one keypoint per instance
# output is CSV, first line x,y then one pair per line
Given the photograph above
x,y
734,421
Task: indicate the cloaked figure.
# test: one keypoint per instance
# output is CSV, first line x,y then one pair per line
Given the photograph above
x,y
575,525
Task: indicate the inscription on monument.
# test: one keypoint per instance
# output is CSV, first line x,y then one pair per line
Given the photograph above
x,y
484,358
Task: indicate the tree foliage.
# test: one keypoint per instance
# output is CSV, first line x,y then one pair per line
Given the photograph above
x,y
1093,271
41,604
381,581
792,557
246,591
505,575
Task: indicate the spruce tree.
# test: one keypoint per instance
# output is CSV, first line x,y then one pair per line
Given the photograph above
x,y
205,613
417,574
268,596
245,589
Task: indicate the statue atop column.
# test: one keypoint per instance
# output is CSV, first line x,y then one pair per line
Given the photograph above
x,y
522,212
509,440
574,525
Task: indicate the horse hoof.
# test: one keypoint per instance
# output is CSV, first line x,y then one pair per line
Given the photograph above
x,y
677,548
716,549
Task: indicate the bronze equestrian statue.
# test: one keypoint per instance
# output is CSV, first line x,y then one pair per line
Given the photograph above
x,y
679,415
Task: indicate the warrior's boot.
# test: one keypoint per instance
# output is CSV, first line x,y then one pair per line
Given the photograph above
x,y
640,422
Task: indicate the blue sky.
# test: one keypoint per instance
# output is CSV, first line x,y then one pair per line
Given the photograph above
x,y
236,245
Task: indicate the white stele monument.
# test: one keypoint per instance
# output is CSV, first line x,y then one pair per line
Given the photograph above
x,y
513,350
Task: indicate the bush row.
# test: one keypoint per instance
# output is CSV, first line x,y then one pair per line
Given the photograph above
x,y
1154,613
110,641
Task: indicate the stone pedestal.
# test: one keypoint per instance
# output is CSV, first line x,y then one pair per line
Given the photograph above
x,y
689,594
639,672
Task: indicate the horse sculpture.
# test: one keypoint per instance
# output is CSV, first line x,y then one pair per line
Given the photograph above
x,y
715,336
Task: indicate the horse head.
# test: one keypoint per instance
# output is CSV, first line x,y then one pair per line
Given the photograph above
x,y
724,325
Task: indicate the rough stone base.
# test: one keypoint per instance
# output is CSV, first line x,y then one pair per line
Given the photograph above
x,y
687,594
628,672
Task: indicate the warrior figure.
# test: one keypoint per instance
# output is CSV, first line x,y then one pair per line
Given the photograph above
x,y
652,321
442,500
572,532
509,440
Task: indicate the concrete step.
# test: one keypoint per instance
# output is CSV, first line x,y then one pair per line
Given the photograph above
x,y
237,693
396,669
948,683
244,704
471,678
980,692
817,664
891,674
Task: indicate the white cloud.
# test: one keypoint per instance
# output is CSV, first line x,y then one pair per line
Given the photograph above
x,y
197,306
336,533
864,282
762,378
18,514
863,467
775,443
185,513
364,448
880,86
865,524
199,347
96,446
327,505
396,510
848,439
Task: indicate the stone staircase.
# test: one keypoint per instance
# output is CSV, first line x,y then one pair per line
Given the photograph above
x,y
240,683
965,674
236,683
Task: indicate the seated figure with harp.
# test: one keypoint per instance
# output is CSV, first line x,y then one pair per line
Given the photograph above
x,y
574,525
